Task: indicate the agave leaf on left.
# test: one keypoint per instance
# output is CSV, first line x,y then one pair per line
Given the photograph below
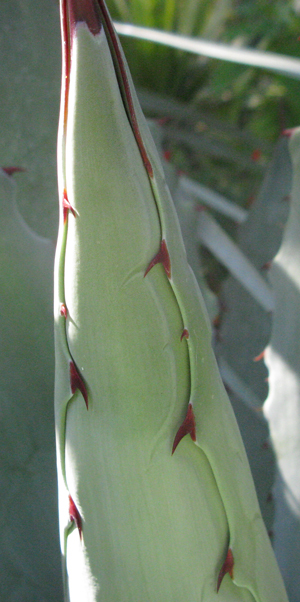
x,y
30,569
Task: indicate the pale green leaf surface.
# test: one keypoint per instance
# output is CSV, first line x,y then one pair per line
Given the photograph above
x,y
160,524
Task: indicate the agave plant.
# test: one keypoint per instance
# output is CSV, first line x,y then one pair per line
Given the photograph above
x,y
27,449
155,494
282,405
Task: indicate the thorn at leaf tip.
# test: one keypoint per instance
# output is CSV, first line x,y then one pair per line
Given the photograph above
x,y
226,568
77,383
161,257
85,11
75,516
188,427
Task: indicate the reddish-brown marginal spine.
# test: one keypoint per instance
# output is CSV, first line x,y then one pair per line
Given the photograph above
x,y
185,334
288,132
77,383
162,256
66,57
63,311
67,206
188,427
11,170
260,356
75,516
226,568
126,86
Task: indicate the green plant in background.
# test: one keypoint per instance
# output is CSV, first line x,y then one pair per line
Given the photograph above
x,y
152,470
180,75
241,109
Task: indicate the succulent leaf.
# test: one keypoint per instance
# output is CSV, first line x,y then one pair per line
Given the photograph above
x,y
282,405
155,526
27,446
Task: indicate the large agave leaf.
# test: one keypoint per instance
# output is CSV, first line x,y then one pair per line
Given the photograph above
x,y
30,570
282,406
135,374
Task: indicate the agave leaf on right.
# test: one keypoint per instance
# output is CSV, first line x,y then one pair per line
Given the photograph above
x,y
282,407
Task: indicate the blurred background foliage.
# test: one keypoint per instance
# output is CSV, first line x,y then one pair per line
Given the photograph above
x,y
243,96
220,119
